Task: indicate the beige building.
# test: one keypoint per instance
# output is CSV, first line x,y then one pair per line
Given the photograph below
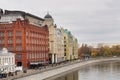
x,y
48,20
60,44
75,48
7,61
56,40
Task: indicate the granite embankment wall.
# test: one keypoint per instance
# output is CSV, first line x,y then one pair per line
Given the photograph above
x,y
60,70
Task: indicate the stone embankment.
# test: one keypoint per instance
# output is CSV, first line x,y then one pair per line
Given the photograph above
x,y
53,70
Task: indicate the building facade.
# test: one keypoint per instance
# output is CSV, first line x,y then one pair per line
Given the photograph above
x,y
29,41
34,40
70,46
75,48
66,51
7,61
56,40
9,16
48,20
60,45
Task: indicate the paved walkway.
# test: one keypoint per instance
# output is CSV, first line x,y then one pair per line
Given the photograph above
x,y
40,69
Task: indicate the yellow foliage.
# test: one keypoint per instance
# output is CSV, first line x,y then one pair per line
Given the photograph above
x,y
93,54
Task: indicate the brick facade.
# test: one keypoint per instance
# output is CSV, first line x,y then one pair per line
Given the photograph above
x,y
27,41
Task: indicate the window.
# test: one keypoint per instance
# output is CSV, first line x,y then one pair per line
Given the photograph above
x,y
18,48
18,33
18,40
1,34
30,55
27,55
27,33
9,60
2,41
19,56
10,41
26,40
10,33
10,48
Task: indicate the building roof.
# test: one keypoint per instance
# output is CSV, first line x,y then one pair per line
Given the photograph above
x,y
48,16
4,52
67,32
6,12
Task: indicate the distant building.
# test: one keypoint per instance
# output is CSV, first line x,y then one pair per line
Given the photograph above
x,y
107,44
75,48
70,46
66,47
23,34
7,61
69,49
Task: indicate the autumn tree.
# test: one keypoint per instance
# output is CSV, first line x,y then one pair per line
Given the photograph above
x,y
94,52
107,51
115,50
101,51
84,50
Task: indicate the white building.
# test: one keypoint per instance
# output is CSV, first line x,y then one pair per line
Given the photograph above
x,y
60,44
7,61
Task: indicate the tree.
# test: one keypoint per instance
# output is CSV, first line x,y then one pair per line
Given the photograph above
x,y
84,50
108,51
115,50
101,51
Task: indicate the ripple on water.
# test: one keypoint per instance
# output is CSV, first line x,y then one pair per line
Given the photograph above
x,y
109,70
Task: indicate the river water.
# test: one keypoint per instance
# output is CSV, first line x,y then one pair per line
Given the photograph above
x,y
109,70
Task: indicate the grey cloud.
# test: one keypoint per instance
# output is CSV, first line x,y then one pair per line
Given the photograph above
x,y
90,21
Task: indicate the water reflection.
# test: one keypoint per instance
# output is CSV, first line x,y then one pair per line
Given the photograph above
x,y
100,71
71,76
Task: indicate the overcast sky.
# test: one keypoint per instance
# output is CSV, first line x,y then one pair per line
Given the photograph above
x,y
90,21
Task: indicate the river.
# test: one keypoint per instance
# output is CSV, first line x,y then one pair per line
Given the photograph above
x,y
108,70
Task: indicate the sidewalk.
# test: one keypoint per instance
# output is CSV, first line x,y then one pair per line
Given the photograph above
x,y
42,69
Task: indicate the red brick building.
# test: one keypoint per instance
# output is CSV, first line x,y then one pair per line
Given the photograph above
x,y
29,42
